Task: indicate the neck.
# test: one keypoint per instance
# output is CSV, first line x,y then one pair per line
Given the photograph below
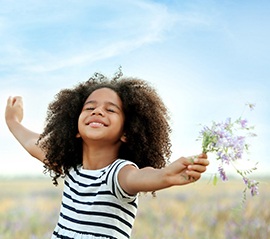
x,y
97,157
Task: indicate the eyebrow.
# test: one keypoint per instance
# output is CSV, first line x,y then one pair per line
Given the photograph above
x,y
106,102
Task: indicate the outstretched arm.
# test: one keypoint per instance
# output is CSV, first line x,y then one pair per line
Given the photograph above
x,y
180,172
27,138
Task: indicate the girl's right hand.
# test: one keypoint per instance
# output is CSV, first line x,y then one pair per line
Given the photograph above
x,y
14,109
27,138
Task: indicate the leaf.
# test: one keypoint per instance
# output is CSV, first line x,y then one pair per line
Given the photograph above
x,y
215,179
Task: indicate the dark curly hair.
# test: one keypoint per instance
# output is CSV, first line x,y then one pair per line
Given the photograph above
x,y
146,124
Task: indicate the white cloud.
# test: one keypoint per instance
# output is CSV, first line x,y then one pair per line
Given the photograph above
x,y
125,26
124,29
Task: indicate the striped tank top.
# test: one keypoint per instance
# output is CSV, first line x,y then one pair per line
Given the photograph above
x,y
95,206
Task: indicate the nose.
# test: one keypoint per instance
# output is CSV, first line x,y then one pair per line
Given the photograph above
x,y
98,111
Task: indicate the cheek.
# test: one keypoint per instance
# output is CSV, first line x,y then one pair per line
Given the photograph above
x,y
121,124
80,123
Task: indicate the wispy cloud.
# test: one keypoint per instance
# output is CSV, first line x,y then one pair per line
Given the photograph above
x,y
120,30
45,38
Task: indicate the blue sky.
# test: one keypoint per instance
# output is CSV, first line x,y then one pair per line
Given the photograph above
x,y
207,59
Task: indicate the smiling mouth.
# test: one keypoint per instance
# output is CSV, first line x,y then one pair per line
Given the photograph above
x,y
96,124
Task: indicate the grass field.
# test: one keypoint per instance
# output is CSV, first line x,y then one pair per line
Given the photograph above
x,y
29,209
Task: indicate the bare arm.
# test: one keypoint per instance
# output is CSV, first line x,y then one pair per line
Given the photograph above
x,y
27,138
180,172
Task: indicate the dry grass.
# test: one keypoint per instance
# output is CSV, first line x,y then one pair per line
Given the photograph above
x,y
29,209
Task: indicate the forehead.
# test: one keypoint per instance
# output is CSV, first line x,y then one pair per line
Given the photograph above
x,y
104,95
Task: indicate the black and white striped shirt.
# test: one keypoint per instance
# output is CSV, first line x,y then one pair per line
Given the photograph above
x,y
95,206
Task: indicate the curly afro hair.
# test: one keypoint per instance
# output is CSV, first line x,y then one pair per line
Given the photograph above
x,y
146,125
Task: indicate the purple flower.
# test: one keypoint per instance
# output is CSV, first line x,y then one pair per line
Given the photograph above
x,y
222,173
227,123
228,141
246,181
252,185
243,123
254,189
225,158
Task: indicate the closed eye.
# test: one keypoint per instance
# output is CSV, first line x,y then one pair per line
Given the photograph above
x,y
89,108
111,110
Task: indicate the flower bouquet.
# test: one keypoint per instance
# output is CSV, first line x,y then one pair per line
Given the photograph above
x,y
228,141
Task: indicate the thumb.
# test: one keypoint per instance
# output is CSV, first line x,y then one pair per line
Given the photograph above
x,y
17,100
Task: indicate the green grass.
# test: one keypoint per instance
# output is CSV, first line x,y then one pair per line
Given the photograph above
x,y
29,209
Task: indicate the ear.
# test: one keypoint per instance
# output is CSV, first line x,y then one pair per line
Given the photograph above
x,y
78,135
124,138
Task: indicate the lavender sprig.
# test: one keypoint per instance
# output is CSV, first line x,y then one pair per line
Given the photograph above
x,y
228,141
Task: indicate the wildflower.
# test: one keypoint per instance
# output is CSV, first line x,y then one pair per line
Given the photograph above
x,y
254,188
243,123
252,185
228,140
222,173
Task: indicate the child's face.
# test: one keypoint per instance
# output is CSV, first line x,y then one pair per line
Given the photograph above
x,y
102,118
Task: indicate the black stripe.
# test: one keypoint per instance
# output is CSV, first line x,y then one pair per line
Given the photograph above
x,y
85,185
115,163
133,203
90,176
85,233
90,194
61,236
101,203
113,183
102,214
85,175
115,166
96,224
122,195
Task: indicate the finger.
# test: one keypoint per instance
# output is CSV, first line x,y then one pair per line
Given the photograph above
x,y
190,160
15,101
9,101
197,168
185,161
12,100
202,155
193,175
201,161
193,179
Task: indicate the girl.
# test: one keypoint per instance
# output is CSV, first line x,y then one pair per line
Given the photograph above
x,y
110,140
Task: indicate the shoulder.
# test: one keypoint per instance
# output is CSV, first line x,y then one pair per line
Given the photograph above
x,y
122,162
119,164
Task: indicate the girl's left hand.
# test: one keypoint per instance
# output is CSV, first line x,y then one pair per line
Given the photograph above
x,y
186,170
